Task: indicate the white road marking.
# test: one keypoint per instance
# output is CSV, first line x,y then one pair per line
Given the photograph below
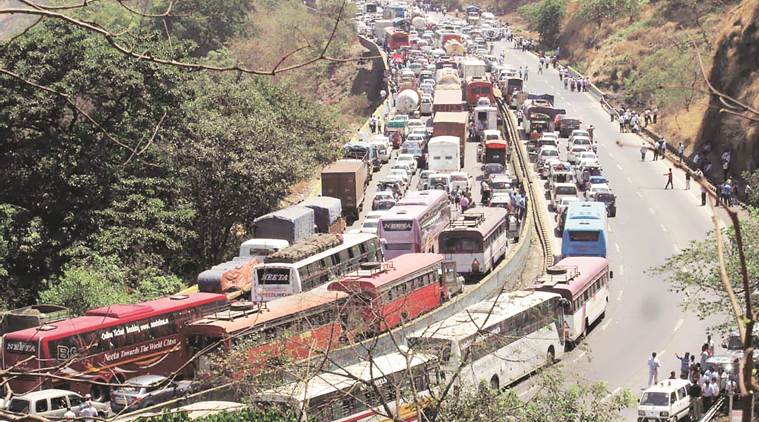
x,y
616,245
619,167
663,228
621,270
677,248
610,229
662,352
640,195
606,325
610,154
619,296
651,210
528,391
629,180
679,324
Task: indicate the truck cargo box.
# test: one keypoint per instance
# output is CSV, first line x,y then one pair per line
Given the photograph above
x,y
328,214
346,180
292,224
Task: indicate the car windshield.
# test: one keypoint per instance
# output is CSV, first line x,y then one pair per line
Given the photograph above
x,y
128,389
370,224
654,399
458,178
550,153
566,190
598,180
19,406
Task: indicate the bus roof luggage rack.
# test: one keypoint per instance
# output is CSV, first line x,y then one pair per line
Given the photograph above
x,y
468,220
558,274
370,269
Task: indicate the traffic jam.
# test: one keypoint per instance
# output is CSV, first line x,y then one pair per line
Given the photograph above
x,y
421,209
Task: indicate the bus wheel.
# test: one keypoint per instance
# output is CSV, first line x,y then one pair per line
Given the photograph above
x,y
550,356
494,384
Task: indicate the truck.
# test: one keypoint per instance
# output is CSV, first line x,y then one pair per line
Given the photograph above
x,y
346,180
449,100
407,101
452,124
328,214
473,68
291,224
444,154
379,28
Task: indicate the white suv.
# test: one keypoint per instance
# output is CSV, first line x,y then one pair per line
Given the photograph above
x,y
52,403
667,400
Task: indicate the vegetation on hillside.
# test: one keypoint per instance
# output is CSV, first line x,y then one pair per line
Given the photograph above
x,y
133,176
545,17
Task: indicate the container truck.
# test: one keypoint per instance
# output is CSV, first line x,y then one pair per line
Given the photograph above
x,y
346,180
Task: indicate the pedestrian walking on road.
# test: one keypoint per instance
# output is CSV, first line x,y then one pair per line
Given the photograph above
x,y
703,196
653,369
643,151
681,151
709,345
526,73
566,83
669,180
687,179
684,365
704,355
655,114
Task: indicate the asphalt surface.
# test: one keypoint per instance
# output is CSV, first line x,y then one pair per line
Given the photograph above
x,y
651,224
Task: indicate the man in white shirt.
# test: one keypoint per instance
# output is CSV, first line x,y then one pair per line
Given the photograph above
x,y
708,395
653,369
89,413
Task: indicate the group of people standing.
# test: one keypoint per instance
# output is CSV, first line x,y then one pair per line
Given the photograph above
x,y
573,83
632,121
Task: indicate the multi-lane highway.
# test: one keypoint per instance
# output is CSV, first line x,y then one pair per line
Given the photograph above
x,y
651,225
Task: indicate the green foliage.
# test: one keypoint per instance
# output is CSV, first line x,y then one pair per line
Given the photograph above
x,y
209,24
248,415
751,179
599,10
545,17
88,285
555,401
694,271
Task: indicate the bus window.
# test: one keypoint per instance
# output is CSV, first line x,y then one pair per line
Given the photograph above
x,y
584,236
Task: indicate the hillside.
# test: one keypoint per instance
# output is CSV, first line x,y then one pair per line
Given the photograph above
x,y
644,54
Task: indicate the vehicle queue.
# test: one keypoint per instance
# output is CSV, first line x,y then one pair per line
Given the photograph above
x,y
310,287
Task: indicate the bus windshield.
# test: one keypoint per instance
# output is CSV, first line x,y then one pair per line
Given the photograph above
x,y
461,243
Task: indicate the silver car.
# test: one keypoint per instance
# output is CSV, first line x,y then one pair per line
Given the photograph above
x,y
147,390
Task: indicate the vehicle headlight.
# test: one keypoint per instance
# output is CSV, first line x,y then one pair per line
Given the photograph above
x,y
641,413
664,414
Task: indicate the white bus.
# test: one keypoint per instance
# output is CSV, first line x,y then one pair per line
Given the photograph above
x,y
583,283
349,393
443,154
476,241
497,341
289,271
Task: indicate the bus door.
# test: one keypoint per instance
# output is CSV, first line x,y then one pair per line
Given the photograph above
x,y
449,279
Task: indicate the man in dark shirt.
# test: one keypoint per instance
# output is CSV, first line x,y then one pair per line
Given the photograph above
x,y
695,401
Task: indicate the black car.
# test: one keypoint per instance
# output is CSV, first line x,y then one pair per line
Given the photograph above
x,y
611,202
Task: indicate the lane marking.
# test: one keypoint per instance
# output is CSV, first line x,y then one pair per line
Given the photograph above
x,y
677,248
651,210
629,180
662,352
616,245
579,357
663,228
619,167
610,155
606,325
619,296
621,270
610,229
679,324
640,195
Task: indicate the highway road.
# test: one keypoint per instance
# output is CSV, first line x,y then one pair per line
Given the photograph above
x,y
651,225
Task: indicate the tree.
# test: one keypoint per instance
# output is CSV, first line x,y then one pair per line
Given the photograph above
x,y
209,24
695,271
545,17
600,10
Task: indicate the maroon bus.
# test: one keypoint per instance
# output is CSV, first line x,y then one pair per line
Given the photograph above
x,y
105,345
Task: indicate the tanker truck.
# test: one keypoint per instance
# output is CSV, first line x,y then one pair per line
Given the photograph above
x,y
407,101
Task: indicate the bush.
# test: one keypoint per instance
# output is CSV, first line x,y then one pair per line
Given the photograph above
x,y
545,17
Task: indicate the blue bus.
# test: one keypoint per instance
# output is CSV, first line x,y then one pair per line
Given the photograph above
x,y
584,237
580,211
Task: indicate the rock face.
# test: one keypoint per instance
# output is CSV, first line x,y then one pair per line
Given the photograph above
x,y
735,72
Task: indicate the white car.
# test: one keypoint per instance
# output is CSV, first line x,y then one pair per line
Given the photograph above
x,y
595,190
415,123
402,174
51,403
403,166
407,159
547,152
588,156
561,190
383,200
500,200
580,140
460,181
578,133
666,400
574,153
425,105
564,202
424,179
440,181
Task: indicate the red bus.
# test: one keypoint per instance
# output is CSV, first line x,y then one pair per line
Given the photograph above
x,y
397,291
477,88
105,345
496,151
301,324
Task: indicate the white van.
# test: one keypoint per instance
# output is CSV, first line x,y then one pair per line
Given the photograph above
x,y
260,248
384,148
667,400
